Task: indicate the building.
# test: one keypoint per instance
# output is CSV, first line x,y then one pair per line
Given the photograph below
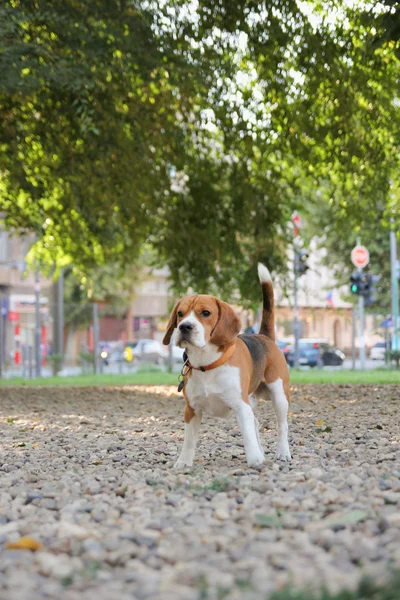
x,y
324,309
17,294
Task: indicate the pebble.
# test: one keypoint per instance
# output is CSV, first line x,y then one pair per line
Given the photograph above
x,y
97,489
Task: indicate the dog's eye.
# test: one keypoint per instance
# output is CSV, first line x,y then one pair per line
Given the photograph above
x,y
205,313
180,313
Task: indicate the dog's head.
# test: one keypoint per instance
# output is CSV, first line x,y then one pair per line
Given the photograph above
x,y
202,320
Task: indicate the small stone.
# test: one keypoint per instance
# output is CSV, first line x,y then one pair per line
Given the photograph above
x,y
50,503
316,473
353,480
221,514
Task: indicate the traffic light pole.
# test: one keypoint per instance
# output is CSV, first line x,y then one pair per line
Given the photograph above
x,y
38,353
295,314
395,287
362,336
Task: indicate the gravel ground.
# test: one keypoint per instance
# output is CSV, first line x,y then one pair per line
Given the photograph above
x,y
87,473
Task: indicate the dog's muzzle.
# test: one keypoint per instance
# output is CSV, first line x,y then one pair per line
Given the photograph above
x,y
185,330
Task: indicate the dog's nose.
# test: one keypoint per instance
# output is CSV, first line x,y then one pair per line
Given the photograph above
x,y
186,327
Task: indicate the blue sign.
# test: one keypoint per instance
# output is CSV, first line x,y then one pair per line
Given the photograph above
x,y
387,323
4,307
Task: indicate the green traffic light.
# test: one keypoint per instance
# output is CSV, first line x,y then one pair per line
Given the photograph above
x,y
354,288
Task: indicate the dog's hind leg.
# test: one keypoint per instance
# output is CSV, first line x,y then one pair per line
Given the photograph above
x,y
281,405
249,427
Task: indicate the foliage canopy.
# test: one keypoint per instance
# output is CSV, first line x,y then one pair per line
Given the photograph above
x,y
196,128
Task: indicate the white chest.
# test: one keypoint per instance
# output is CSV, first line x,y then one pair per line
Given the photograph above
x,y
215,392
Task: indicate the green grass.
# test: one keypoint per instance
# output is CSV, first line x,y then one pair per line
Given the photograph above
x,y
154,377
367,590
377,376
140,378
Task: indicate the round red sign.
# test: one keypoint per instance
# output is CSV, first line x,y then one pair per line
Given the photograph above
x,y
360,257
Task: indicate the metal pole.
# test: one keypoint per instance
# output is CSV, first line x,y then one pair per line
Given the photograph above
x,y
295,314
24,350
95,337
37,324
361,315
1,338
60,313
362,338
170,358
353,338
395,286
30,361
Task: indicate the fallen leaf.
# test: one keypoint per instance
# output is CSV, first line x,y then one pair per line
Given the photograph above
x,y
379,427
333,406
97,462
352,517
20,445
320,422
290,414
25,543
269,521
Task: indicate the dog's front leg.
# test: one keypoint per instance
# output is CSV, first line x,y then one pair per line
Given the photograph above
x,y
192,426
248,427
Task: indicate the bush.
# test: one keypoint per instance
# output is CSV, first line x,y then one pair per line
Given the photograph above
x,y
86,359
393,356
56,361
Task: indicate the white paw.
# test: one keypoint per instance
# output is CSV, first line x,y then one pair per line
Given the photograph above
x,y
183,462
283,453
256,460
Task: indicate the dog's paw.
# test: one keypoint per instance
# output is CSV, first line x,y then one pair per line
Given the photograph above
x,y
183,463
256,461
283,453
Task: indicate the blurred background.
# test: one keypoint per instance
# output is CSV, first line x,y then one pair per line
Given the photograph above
x,y
153,149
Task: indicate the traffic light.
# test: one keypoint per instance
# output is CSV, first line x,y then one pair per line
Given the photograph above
x,y
300,262
355,283
370,297
363,284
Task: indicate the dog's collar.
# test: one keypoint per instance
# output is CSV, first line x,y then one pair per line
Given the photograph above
x,y
187,366
217,363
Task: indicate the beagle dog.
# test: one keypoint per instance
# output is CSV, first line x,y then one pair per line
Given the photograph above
x,y
224,372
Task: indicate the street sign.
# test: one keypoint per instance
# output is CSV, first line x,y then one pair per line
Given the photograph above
x,y
360,256
296,220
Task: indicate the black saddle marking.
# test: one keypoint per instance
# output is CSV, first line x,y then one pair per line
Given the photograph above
x,y
256,345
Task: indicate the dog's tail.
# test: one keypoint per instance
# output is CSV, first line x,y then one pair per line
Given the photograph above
x,y
268,319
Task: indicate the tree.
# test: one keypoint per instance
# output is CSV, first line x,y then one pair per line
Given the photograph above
x,y
195,131
92,110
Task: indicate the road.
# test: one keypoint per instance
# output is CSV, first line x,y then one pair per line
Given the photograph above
x,y
86,474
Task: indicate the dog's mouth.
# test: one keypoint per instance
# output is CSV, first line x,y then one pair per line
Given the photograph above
x,y
185,340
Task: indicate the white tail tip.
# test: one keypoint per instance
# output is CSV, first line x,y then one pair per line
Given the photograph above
x,y
263,273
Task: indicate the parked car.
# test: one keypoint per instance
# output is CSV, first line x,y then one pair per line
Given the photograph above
x,y
316,353
378,351
146,350
284,347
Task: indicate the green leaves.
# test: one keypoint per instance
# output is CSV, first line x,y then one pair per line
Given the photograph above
x,y
197,133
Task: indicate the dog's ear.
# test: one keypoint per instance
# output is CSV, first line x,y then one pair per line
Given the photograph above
x,y
227,327
172,323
